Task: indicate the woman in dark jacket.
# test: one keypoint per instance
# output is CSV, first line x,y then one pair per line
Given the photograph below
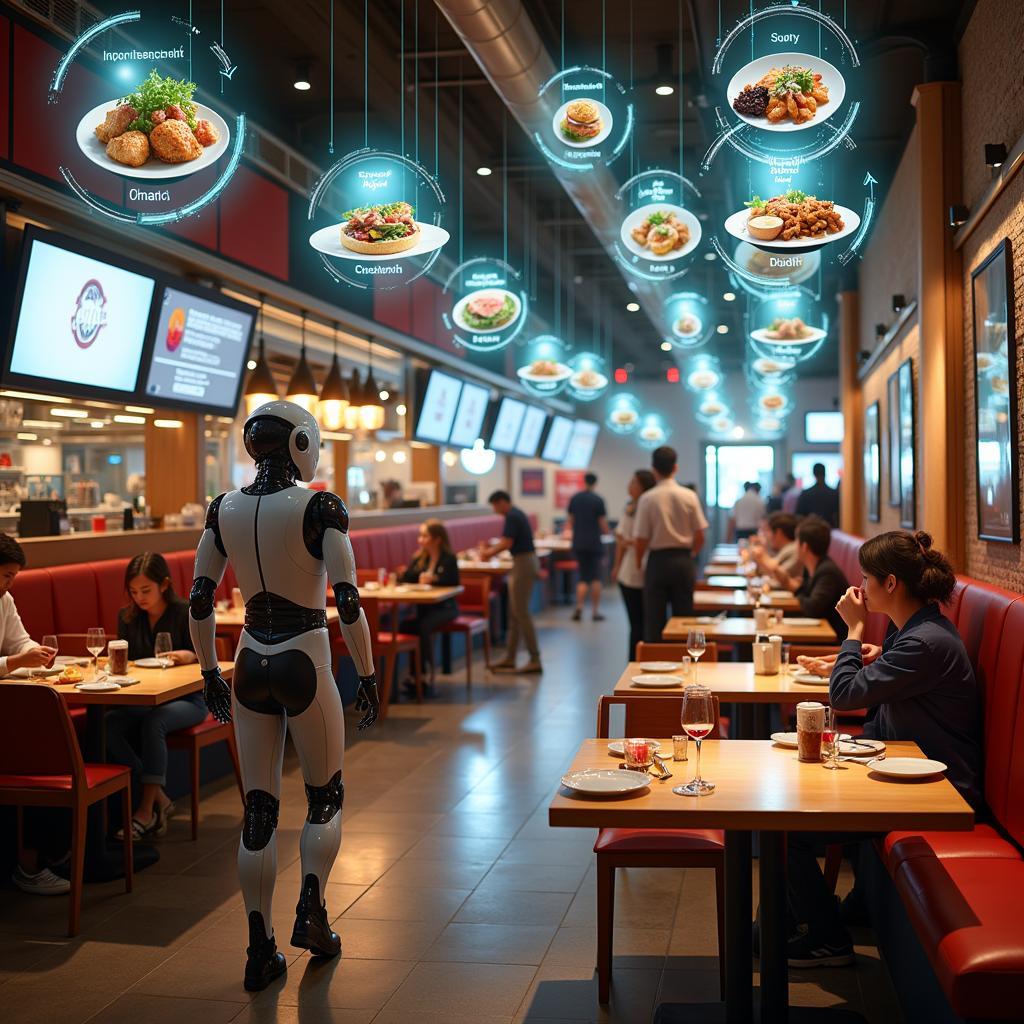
x,y
153,608
434,564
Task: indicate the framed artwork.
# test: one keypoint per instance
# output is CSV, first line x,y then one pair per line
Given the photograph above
x,y
872,462
995,398
892,417
905,375
531,483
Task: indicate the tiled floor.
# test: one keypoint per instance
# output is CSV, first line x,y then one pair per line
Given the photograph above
x,y
456,902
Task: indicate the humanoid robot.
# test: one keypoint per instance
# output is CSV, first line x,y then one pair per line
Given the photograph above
x,y
285,543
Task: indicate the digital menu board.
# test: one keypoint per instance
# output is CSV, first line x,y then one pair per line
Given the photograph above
x,y
507,425
437,410
529,436
581,445
200,342
557,443
469,417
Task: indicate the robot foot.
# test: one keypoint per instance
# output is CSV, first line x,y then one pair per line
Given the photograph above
x,y
312,930
264,963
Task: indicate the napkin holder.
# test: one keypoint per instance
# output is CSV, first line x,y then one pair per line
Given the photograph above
x,y
766,660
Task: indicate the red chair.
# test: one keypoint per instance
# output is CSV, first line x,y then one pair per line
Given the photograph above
x,y
41,766
474,619
650,847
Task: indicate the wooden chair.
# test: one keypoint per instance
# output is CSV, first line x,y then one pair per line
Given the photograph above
x,y
41,766
650,847
673,652
474,619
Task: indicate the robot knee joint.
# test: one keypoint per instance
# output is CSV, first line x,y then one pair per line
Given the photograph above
x,y
260,819
325,801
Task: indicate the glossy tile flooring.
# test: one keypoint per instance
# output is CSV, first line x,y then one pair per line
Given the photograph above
x,y
456,902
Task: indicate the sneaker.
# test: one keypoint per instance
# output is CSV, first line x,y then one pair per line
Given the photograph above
x,y
533,665
42,883
803,950
577,615
598,617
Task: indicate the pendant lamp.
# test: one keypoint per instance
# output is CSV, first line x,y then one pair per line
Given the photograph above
x,y
261,386
302,386
334,395
355,401
371,414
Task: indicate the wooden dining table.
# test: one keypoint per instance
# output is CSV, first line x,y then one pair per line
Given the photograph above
x,y
740,600
732,681
761,787
743,630
727,581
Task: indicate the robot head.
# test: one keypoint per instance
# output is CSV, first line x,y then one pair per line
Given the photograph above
x,y
284,428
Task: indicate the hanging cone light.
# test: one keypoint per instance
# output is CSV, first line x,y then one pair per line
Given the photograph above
x,y
355,400
302,386
334,395
371,414
261,386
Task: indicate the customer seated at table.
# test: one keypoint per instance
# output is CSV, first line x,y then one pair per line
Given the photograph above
x,y
921,687
435,564
821,582
777,552
137,736
45,829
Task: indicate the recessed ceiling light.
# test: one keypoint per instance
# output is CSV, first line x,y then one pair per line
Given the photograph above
x,y
709,256
384,394
633,307
71,414
722,328
144,409
169,424
664,90
129,419
484,172
401,410
729,296
302,85
666,346
251,364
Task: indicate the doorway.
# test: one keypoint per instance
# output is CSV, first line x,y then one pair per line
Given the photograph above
x,y
727,467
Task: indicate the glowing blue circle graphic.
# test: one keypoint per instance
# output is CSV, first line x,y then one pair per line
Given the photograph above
x,y
486,305
589,380
623,415
689,320
543,367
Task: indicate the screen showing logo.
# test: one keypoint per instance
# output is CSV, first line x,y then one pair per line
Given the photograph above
x,y
175,329
90,314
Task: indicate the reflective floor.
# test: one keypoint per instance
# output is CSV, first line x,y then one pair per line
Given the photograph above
x,y
455,901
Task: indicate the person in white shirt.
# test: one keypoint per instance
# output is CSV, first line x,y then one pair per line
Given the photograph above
x,y
626,572
19,650
669,529
747,513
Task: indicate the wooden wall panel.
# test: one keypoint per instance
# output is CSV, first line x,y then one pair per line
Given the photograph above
x,y
174,464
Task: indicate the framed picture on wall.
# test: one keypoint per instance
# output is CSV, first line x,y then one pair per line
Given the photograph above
x,y
872,462
906,437
531,483
995,398
892,419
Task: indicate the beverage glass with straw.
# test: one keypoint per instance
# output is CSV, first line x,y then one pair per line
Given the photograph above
x,y
696,644
698,721
830,739
95,641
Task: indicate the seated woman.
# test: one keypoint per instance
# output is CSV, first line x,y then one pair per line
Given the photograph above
x,y
921,687
153,608
435,564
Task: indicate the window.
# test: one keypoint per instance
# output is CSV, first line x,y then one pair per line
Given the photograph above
x,y
729,466
803,463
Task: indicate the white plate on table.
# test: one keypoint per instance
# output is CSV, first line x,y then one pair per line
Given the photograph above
x,y
752,73
807,678
103,686
67,659
615,747
656,682
788,739
149,663
659,666
791,620
860,747
605,781
33,673
907,767
120,681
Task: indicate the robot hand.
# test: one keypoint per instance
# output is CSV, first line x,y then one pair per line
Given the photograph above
x,y
367,700
217,695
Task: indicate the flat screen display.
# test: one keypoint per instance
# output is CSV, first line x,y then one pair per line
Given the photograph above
x,y
802,465
823,428
507,425
557,443
581,445
529,436
469,417
81,320
437,411
199,350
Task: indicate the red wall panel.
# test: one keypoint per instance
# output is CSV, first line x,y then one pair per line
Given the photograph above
x,y
254,223
5,78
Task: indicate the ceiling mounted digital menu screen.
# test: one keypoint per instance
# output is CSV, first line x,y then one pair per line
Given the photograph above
x,y
199,348
507,425
469,418
557,443
437,410
581,445
529,436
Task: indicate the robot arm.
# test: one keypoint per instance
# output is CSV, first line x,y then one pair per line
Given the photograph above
x,y
211,561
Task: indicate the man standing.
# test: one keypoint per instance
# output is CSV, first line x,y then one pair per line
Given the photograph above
x,y
819,500
821,582
517,539
747,513
588,522
670,525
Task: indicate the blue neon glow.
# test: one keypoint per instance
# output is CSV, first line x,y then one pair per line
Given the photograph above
x,y
57,82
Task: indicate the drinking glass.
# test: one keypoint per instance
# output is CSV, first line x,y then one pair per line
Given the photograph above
x,y
639,754
162,648
698,720
784,668
830,739
696,644
50,640
95,641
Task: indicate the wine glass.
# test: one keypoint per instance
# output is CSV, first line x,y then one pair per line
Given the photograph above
x,y
50,640
698,720
696,644
162,648
95,641
830,739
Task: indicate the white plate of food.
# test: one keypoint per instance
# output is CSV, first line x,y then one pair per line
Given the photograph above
x,y
659,666
860,747
793,267
703,380
656,681
184,144
615,747
772,369
795,620
711,407
687,327
773,403
907,767
588,380
428,238
788,331
660,232
793,211
544,371
97,686
786,92
605,781
486,311
152,663
624,418
582,123
809,679
789,740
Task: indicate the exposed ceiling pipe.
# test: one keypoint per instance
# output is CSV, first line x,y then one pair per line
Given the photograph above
x,y
504,42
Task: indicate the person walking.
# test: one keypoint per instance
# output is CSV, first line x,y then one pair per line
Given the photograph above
x,y
588,522
626,572
670,525
517,539
819,500
747,513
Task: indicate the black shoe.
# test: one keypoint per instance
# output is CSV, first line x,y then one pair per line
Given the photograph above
x,y
598,617
803,950
312,930
577,615
264,963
